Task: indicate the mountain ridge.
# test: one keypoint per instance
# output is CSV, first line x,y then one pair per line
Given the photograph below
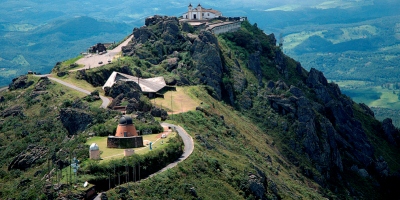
x,y
267,128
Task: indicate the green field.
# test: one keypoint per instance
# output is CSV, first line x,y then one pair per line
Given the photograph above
x,y
373,96
109,153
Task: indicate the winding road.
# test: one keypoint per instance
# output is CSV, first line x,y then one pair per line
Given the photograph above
x,y
105,100
3,88
186,138
187,141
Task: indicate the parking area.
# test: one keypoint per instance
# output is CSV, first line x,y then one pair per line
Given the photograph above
x,y
97,60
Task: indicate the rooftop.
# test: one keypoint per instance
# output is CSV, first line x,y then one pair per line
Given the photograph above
x,y
149,85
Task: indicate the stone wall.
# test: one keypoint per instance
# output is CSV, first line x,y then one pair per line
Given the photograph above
x,y
124,142
223,28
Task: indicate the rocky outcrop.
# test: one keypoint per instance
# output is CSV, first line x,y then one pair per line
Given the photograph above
x,y
32,155
16,110
42,84
158,112
75,120
255,65
20,83
324,132
366,109
256,186
99,77
206,56
280,63
391,133
129,88
142,35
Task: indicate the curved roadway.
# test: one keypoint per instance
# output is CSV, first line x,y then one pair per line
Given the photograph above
x,y
105,100
187,141
3,88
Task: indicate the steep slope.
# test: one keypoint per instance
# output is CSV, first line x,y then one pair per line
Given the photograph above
x,y
324,134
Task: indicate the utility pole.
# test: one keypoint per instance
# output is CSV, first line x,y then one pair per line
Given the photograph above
x,y
172,110
70,168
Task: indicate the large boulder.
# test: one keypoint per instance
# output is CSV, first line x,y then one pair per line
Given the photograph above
x,y
12,111
42,84
130,88
158,112
75,120
19,83
30,156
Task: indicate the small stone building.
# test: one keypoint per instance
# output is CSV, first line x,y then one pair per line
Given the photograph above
x,y
126,135
97,48
94,152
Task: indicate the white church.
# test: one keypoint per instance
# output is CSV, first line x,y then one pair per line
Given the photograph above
x,y
200,13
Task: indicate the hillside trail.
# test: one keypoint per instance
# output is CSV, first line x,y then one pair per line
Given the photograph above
x,y
186,138
105,100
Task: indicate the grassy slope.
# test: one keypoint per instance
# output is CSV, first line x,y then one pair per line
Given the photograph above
x,y
223,159
109,154
43,129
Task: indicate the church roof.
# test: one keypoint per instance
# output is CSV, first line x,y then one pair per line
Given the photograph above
x,y
147,85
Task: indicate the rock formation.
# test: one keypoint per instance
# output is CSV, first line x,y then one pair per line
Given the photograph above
x,y
32,155
20,82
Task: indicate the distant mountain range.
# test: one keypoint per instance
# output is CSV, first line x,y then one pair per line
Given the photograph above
x,y
36,35
39,48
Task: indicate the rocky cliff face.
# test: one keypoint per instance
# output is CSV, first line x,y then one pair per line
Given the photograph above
x,y
75,120
162,38
207,60
324,127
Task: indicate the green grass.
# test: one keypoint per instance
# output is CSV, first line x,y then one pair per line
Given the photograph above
x,y
72,60
112,153
70,78
182,100
374,96
223,158
66,65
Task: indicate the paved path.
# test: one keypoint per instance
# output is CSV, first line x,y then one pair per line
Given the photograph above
x,y
189,147
3,88
105,100
92,60
187,141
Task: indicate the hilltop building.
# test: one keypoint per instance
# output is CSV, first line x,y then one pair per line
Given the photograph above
x,y
200,13
149,86
126,135
211,20
94,152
